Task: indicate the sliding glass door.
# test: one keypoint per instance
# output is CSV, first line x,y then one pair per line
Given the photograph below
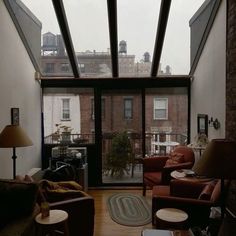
x,y
121,118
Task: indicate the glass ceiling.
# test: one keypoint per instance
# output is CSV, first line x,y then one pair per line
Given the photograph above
x,y
137,22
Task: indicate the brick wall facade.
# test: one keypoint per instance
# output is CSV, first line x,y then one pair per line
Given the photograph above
x,y
231,71
228,226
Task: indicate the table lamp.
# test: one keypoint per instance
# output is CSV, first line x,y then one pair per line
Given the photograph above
x,y
13,136
218,161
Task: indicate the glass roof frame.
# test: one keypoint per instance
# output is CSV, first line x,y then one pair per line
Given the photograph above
x,y
112,22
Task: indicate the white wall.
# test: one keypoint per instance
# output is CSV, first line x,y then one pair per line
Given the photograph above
x,y
52,107
208,85
18,88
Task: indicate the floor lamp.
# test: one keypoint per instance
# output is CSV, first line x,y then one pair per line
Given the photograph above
x,y
218,161
13,136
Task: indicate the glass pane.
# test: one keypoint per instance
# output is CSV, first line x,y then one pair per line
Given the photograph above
x,y
88,22
54,59
137,24
175,58
122,141
67,129
162,135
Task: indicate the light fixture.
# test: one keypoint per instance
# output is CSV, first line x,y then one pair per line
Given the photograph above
x,y
218,161
214,123
13,136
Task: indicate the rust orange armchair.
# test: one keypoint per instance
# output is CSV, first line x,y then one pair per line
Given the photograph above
x,y
156,170
195,198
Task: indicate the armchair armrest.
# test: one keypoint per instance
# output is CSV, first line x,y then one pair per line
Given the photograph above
x,y
81,214
189,189
151,164
185,165
168,169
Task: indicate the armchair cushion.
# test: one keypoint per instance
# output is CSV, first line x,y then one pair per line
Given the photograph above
x,y
187,189
153,178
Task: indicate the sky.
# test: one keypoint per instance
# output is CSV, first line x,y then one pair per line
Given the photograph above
x,y
137,25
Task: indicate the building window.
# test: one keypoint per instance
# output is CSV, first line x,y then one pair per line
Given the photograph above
x,y
65,67
128,108
160,109
92,109
82,67
49,68
65,109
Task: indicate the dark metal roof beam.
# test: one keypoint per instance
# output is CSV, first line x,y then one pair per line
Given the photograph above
x,y
161,29
62,21
112,20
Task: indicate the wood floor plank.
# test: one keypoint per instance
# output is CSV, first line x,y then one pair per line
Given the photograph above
x,y
104,225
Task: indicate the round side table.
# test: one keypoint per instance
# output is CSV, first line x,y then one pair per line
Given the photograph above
x,y
57,220
171,218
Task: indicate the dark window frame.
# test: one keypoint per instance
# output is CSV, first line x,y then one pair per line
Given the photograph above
x,y
128,110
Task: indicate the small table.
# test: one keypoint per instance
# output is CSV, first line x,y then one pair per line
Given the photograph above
x,y
171,218
52,222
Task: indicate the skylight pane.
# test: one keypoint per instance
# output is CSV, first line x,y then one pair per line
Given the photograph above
x,y
137,24
88,22
54,59
175,58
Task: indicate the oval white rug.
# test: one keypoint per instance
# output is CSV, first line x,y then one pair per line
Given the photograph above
x,y
129,209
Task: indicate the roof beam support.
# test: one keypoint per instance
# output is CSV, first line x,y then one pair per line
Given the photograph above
x,y
112,19
161,29
62,21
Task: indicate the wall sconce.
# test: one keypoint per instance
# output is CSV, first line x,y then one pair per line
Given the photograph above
x,y
214,123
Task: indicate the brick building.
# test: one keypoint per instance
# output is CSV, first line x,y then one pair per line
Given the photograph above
x,y
166,110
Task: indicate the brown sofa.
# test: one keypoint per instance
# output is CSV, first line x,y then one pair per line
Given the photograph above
x,y
80,208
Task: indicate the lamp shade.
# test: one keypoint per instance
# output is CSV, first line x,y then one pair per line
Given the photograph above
x,y
14,136
218,160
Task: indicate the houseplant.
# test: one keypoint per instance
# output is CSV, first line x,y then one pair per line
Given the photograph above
x,y
120,155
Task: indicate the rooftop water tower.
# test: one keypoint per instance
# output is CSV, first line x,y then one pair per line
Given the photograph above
x,y
123,47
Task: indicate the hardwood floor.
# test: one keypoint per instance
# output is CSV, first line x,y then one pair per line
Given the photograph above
x,y
104,225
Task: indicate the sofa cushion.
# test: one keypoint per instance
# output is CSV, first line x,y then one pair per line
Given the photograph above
x,y
153,178
17,200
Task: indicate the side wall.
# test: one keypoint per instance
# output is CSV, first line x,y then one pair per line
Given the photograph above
x,y
18,88
209,79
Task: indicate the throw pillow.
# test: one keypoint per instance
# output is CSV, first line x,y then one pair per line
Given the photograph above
x,y
175,158
17,200
58,191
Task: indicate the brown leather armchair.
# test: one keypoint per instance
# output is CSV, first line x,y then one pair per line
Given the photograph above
x,y
156,170
195,198
78,204
81,214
